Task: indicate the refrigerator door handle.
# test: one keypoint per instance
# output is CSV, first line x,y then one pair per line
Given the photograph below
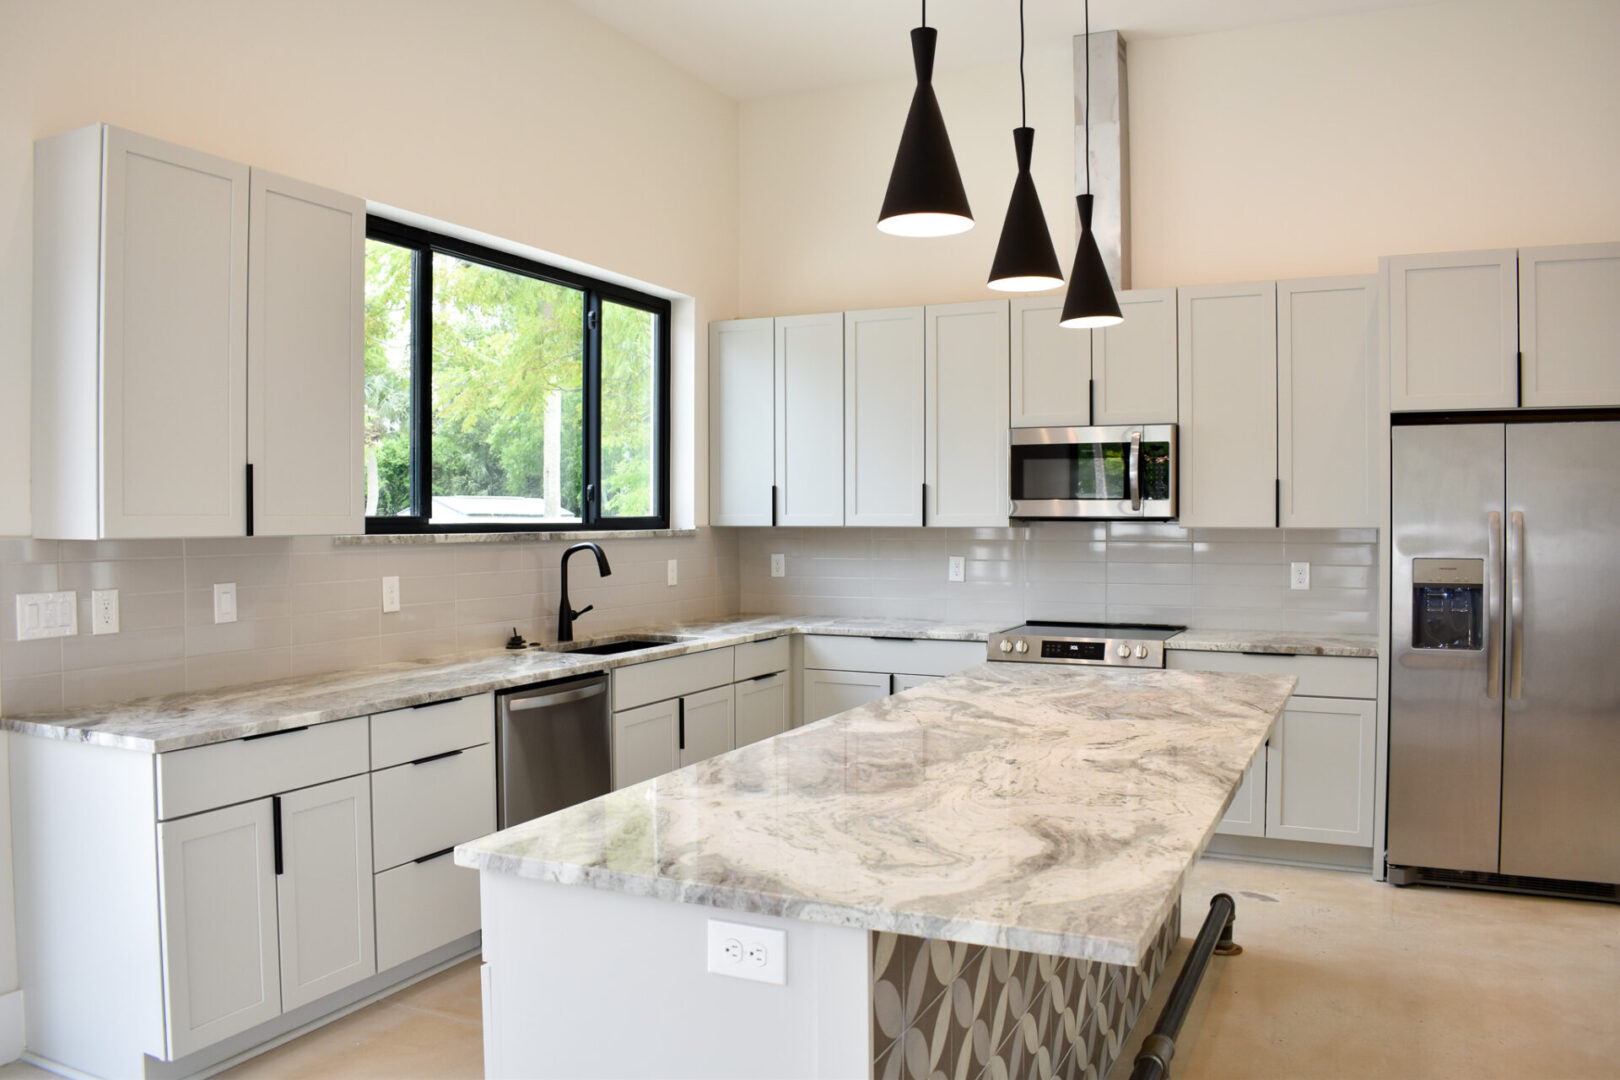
x,y
1493,606
1515,546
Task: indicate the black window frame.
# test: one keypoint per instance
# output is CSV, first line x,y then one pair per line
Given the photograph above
x,y
423,244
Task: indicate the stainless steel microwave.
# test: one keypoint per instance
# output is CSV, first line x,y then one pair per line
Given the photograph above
x,y
1094,473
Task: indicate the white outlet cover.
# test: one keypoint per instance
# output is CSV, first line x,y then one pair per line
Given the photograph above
x,y
958,568
104,611
763,952
1299,575
47,615
778,565
390,594
674,573
225,602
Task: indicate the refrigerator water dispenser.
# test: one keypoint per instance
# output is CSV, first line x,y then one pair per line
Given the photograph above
x,y
1448,598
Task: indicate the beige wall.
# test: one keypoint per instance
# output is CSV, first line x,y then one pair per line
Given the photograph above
x,y
520,118
1290,150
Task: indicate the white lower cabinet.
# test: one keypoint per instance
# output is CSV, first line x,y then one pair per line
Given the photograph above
x,y
221,961
706,725
828,693
422,905
762,708
324,890
1321,786
644,742
1247,814
907,682
842,673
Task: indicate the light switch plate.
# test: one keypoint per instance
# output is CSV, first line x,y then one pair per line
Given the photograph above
x,y
390,594
958,571
674,574
47,615
741,951
225,602
104,611
778,565
1299,575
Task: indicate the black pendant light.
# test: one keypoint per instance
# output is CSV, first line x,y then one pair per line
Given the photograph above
x,y
925,196
1090,301
1025,259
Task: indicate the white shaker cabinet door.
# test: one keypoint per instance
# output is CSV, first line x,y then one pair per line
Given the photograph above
x,y
1569,325
306,358
1247,814
1319,777
707,724
883,417
1051,366
762,708
827,693
1133,364
221,966
1228,403
742,415
173,341
810,419
965,415
324,892
1453,331
1327,402
644,742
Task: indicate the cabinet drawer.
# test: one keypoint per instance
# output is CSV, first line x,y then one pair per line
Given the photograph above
x,y
660,680
423,905
1319,676
203,777
905,655
757,658
422,808
408,734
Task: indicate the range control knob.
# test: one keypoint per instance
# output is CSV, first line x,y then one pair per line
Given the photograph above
x,y
1022,646
1124,651
1006,646
1141,652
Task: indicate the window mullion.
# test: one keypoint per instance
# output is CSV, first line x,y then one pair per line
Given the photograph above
x,y
422,386
591,457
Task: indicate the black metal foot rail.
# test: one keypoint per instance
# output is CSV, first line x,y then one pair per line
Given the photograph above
x,y
1215,936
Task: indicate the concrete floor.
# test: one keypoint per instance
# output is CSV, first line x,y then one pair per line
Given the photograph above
x,y
1340,977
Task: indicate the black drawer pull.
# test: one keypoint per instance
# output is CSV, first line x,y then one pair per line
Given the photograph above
x,y
437,757
271,734
767,675
430,704
435,855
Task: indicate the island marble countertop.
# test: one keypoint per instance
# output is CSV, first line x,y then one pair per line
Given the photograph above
x,y
1048,809
1277,642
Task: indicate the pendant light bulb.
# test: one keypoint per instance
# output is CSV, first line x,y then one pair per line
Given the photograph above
x,y
1090,302
925,195
1025,259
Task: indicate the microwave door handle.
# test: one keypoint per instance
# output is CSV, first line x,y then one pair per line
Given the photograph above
x,y
1493,606
1133,477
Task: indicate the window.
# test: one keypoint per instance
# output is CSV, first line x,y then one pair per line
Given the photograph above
x,y
503,394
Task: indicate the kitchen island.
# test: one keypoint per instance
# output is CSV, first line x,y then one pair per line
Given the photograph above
x,y
983,869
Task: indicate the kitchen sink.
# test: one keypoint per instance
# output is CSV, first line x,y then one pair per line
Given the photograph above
x,y
610,646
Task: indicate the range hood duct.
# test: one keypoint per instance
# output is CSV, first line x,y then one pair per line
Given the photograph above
x,y
1110,149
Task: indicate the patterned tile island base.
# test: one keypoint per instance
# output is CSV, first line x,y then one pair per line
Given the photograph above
x,y
942,1010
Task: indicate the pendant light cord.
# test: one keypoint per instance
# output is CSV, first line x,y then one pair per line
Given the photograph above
x,y
1023,94
1088,95
925,13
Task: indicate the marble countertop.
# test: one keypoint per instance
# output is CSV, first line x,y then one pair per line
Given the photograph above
x,y
178,721
1044,808
1278,642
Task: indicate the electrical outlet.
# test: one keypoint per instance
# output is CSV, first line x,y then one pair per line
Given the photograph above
x,y
47,615
778,565
674,573
747,952
1299,575
104,611
958,571
225,602
390,594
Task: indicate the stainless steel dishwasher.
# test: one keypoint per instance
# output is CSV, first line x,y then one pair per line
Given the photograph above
x,y
551,747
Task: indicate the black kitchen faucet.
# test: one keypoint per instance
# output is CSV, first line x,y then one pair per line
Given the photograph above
x,y
565,614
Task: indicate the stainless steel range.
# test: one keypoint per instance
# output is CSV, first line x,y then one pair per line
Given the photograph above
x,y
1109,644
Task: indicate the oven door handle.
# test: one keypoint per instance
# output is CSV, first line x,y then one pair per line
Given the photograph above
x,y
1133,475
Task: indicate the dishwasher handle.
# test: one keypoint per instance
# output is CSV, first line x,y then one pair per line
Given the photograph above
x,y
560,698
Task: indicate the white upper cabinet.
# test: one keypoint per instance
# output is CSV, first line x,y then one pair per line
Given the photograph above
x,y
306,358
147,402
810,419
1569,325
1453,331
1228,405
1327,402
965,420
1133,364
1051,366
742,412
883,417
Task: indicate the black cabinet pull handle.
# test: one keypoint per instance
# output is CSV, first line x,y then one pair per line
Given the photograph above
x,y
1279,502
681,721
435,855
925,504
430,704
437,757
275,829
773,506
273,734
250,499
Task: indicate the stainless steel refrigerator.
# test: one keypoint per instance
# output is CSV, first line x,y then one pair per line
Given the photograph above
x,y
1504,716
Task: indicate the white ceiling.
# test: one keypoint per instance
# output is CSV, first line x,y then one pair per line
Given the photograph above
x,y
763,48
